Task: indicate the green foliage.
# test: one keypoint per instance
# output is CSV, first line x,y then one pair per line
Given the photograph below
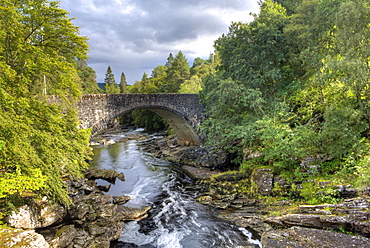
x,y
313,194
148,120
88,78
293,83
193,85
178,71
236,105
41,142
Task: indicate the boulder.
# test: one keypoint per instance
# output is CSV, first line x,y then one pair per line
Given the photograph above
x,y
208,157
121,199
263,179
108,175
308,237
22,238
95,223
80,186
36,215
88,208
198,173
63,237
128,213
121,177
104,188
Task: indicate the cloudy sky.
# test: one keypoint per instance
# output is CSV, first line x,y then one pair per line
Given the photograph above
x,y
134,36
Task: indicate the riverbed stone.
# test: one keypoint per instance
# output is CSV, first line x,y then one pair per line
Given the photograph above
x,y
205,199
301,237
108,175
121,177
121,199
128,213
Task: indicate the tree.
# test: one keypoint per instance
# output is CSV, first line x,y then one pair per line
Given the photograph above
x,y
111,86
39,48
257,53
252,77
193,85
170,60
178,71
201,68
333,99
123,84
88,78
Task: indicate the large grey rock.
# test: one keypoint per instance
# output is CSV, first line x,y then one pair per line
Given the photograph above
x,y
300,237
64,237
264,180
352,215
207,157
108,175
36,215
128,213
22,238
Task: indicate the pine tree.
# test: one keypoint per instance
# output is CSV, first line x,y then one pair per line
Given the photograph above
x,y
170,60
178,72
111,86
123,84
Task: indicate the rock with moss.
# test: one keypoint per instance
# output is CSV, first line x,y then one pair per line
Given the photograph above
x,y
63,237
263,179
121,199
22,238
307,237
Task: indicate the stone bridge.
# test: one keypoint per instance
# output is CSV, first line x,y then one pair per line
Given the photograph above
x,y
183,112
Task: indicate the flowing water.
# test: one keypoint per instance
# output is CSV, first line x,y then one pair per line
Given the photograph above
x,y
175,219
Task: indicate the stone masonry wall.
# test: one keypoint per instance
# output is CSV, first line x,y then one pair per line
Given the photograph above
x,y
98,111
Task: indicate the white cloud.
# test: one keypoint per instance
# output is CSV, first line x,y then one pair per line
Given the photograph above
x,y
134,36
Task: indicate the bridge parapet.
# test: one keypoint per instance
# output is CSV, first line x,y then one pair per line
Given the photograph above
x,y
183,112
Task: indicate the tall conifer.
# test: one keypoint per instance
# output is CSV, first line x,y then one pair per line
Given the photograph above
x,y
111,86
123,84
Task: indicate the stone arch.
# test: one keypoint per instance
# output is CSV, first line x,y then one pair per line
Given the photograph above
x,y
181,111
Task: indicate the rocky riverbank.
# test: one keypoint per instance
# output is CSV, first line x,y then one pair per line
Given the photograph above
x,y
246,200
94,219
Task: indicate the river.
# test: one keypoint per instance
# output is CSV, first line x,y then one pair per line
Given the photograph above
x,y
176,219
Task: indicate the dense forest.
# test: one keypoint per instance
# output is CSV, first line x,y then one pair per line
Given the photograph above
x,y
291,84
41,54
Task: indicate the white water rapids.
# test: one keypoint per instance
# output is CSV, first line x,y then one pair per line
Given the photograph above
x,y
175,220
